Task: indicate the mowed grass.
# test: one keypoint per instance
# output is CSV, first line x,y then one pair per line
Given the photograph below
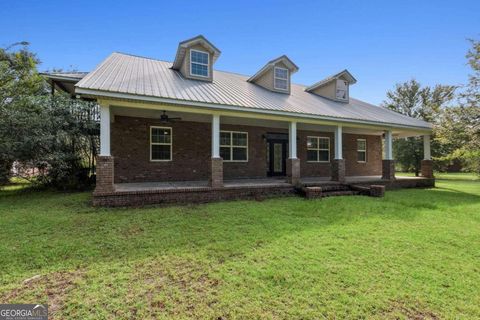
x,y
414,254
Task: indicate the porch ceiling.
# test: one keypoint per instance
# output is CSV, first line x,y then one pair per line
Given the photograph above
x,y
200,117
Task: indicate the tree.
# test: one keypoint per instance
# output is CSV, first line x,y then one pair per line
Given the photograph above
x,y
459,129
55,134
19,80
426,103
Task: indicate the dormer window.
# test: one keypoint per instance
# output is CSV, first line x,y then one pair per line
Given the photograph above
x,y
275,75
335,87
199,63
281,79
342,90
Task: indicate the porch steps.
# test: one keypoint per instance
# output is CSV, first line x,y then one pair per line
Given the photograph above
x,y
340,193
312,191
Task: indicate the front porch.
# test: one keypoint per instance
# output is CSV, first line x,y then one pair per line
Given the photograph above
x,y
207,156
144,193
256,183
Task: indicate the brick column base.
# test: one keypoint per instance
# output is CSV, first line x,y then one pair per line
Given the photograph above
x,y
388,169
293,170
427,168
216,173
338,170
104,174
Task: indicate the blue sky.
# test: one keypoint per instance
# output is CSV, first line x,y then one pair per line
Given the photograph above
x,y
379,42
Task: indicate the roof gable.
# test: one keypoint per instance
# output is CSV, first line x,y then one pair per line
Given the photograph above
x,y
199,40
344,75
292,67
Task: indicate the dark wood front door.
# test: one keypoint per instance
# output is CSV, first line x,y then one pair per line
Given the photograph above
x,y
276,157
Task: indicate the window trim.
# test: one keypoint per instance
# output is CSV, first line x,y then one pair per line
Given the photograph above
x,y
203,64
275,78
231,146
318,149
161,143
358,150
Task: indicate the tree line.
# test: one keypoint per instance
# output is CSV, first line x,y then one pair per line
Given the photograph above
x,y
454,112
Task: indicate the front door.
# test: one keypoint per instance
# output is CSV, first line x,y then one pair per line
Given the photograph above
x,y
276,157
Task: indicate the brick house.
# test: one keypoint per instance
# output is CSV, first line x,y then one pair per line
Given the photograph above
x,y
182,131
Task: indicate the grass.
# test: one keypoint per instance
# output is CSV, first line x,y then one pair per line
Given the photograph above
x,y
411,255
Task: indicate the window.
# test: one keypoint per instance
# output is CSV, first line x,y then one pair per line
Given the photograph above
x,y
199,63
281,78
234,146
318,149
342,90
160,144
361,150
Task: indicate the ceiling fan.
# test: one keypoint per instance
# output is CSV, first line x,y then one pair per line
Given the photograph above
x,y
165,118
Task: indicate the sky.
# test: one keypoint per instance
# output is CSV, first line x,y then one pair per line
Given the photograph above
x,y
380,42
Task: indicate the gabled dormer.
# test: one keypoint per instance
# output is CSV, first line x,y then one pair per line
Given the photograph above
x,y
275,75
195,58
335,87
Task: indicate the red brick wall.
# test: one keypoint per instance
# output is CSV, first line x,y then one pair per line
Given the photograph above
x,y
192,151
130,144
373,166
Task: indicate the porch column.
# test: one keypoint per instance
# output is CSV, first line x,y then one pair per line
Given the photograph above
x,y
427,163
105,163
293,163
338,164
388,164
216,173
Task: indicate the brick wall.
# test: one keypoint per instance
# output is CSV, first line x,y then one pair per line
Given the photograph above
x,y
192,152
373,166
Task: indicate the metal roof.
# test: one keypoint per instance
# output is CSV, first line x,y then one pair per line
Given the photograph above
x,y
146,78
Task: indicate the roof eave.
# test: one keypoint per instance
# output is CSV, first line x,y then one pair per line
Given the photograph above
x,y
128,96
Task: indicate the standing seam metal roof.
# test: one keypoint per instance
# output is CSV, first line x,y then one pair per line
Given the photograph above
x,y
122,73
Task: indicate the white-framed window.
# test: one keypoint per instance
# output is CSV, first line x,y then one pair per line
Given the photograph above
x,y
280,78
199,63
234,146
342,90
318,149
361,150
160,143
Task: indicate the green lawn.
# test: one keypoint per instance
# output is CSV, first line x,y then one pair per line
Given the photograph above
x,y
413,254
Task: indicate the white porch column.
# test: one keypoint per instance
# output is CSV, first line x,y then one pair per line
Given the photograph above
x,y
216,172
215,136
338,163
338,143
388,165
292,143
426,148
104,130
388,145
293,163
